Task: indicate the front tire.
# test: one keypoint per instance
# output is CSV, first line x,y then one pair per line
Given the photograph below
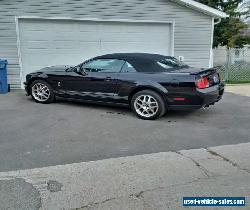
x,y
148,105
42,92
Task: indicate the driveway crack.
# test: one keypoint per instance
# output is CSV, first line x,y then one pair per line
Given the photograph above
x,y
96,203
138,196
227,160
204,170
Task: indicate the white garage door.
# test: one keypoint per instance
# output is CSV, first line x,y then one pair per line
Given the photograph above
x,y
64,42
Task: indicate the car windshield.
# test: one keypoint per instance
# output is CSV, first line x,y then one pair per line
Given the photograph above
x,y
170,63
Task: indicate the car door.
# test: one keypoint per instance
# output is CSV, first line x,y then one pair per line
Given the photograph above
x,y
95,80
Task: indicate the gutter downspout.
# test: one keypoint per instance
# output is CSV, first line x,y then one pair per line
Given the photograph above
x,y
219,20
211,61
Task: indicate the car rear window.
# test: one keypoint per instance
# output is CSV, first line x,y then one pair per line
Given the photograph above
x,y
170,63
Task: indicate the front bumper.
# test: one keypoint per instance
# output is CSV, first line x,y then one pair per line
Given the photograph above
x,y
26,87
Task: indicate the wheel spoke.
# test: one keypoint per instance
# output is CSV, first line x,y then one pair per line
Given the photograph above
x,y
153,106
151,110
139,100
40,92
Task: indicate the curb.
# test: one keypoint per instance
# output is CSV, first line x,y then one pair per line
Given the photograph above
x,y
140,180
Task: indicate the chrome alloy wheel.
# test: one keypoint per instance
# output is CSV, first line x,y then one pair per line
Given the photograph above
x,y
40,92
146,105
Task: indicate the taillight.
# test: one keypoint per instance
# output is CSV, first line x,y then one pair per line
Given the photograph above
x,y
202,83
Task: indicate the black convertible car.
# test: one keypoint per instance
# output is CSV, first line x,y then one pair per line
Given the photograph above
x,y
150,84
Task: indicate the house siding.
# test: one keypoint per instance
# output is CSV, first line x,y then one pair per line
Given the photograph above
x,y
192,31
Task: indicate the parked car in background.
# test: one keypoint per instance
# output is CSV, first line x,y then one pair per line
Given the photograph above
x,y
150,84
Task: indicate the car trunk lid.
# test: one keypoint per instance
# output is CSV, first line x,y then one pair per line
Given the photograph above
x,y
207,76
194,71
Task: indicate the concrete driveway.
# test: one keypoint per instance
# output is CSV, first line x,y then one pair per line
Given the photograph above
x,y
35,135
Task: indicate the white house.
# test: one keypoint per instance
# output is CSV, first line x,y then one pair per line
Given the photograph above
x,y
34,34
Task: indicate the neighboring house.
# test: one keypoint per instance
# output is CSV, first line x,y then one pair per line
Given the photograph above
x,y
246,32
220,54
34,34
237,55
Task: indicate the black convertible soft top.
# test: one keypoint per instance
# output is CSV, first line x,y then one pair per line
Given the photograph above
x,y
142,62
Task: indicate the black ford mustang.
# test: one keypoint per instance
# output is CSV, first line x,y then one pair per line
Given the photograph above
x,y
150,84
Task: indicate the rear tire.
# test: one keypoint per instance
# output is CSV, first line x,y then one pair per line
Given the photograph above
x,y
148,105
42,92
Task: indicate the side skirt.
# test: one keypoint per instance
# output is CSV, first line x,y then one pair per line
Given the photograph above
x,y
184,107
92,101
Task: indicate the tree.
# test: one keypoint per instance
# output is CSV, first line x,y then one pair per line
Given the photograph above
x,y
240,41
228,31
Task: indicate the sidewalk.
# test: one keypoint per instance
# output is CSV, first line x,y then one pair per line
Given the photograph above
x,y
153,181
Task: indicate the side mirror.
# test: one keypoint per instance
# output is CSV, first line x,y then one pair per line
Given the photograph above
x,y
78,69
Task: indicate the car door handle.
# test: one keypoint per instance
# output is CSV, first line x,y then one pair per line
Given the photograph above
x,y
174,82
108,79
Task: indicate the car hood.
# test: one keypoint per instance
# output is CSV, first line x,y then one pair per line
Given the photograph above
x,y
58,68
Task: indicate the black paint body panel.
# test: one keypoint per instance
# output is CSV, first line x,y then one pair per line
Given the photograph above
x,y
118,88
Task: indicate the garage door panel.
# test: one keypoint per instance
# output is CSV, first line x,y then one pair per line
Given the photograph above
x,y
68,44
88,46
29,26
136,37
64,59
123,27
34,36
64,26
130,47
63,36
88,26
62,42
35,45
35,58
88,36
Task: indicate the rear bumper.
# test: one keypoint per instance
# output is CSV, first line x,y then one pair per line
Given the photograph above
x,y
202,98
211,95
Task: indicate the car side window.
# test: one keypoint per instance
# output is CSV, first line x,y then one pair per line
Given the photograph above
x,y
103,65
127,67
